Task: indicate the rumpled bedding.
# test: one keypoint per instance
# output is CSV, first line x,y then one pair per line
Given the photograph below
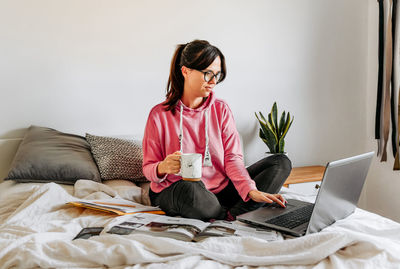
x,y
37,228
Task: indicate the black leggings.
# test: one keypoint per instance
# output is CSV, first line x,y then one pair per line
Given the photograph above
x,y
192,200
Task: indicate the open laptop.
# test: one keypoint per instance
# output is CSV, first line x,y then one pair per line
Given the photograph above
x,y
337,198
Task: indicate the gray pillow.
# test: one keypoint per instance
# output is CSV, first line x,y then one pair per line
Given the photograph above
x,y
47,155
117,158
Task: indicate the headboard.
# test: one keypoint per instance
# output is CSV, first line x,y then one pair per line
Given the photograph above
x,y
8,148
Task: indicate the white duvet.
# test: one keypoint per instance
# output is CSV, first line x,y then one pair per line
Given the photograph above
x,y
37,228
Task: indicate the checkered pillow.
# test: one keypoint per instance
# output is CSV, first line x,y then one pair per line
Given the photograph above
x,y
117,158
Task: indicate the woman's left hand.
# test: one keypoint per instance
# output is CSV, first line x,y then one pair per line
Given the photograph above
x,y
263,197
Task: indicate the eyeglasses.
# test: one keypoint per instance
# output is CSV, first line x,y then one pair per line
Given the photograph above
x,y
209,75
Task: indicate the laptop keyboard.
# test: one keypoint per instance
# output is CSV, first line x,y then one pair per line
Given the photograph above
x,y
293,218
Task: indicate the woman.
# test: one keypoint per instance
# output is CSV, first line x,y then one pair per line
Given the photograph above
x,y
192,120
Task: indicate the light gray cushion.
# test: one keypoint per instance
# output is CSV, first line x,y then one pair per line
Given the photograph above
x,y
47,155
117,158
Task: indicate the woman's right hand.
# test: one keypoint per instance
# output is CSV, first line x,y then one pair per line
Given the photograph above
x,y
170,165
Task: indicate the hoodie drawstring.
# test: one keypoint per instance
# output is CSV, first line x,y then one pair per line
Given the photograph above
x,y
207,155
181,130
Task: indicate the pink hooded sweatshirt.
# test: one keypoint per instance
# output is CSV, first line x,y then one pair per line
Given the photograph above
x,y
161,138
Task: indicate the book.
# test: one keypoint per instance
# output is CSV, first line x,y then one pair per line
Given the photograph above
x,y
117,206
184,229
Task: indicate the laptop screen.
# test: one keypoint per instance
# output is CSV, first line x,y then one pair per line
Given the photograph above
x,y
340,190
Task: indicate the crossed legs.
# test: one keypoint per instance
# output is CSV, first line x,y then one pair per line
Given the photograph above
x,y
193,200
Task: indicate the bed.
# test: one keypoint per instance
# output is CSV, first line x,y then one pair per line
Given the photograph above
x,y
37,228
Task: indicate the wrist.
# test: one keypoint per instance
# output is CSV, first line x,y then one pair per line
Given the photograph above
x,y
160,170
251,192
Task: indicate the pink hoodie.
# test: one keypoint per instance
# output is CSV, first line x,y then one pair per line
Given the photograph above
x,y
161,138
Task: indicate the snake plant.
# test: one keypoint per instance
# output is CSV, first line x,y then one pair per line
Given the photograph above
x,y
272,133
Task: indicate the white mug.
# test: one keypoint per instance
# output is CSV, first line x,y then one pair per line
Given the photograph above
x,y
191,165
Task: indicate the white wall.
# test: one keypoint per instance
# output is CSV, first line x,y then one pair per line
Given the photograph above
x,y
99,66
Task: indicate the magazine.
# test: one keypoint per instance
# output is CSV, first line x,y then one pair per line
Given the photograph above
x,y
117,206
185,229
88,232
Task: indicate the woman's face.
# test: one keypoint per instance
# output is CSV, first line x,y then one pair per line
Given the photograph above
x,y
195,85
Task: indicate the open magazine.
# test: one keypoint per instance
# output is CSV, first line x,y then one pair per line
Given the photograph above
x,y
184,228
117,206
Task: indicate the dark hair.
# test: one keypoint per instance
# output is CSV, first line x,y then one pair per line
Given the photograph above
x,y
198,54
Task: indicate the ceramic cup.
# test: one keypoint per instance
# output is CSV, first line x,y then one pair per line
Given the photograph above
x,y
191,164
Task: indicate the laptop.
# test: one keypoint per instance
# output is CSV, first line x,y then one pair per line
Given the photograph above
x,y
337,198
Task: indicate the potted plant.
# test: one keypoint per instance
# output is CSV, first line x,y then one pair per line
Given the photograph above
x,y
273,133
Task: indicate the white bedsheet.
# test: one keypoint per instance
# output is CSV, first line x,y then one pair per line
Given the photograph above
x,y
36,229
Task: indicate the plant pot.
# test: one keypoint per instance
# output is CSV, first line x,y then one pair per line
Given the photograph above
x,y
268,154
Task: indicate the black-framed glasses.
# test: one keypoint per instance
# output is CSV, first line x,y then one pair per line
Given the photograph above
x,y
209,75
